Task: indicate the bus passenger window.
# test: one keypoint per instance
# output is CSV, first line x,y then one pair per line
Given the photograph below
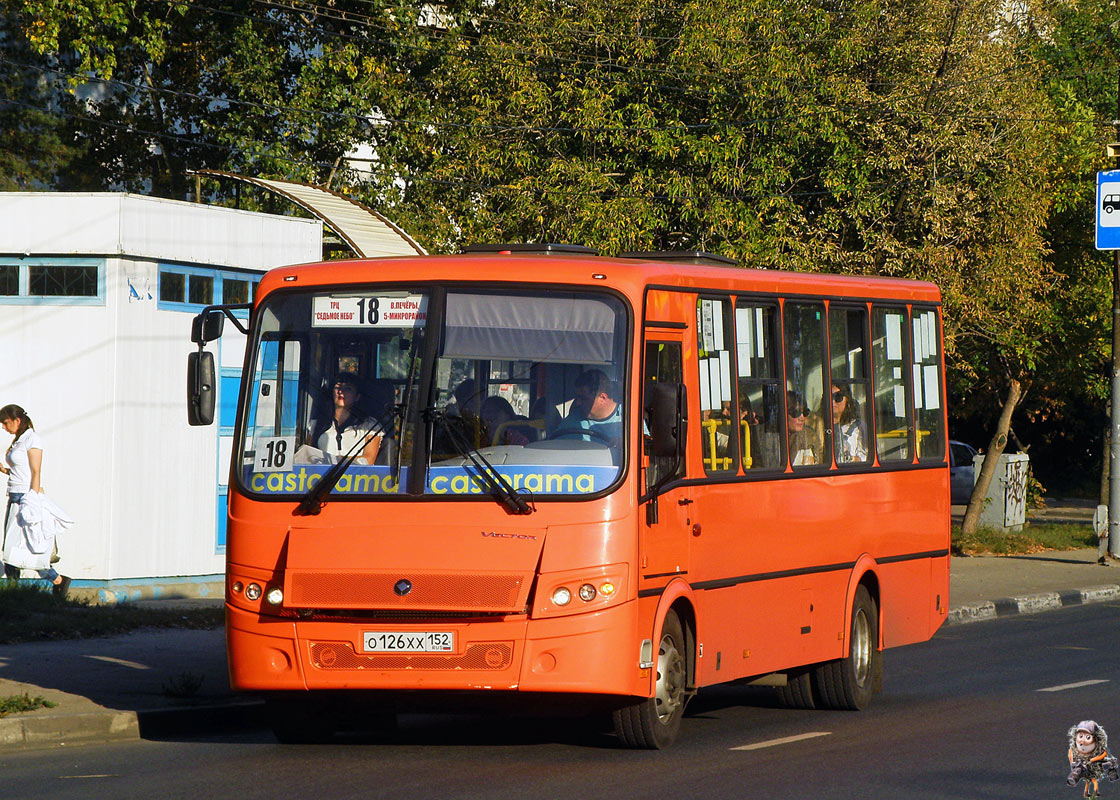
x,y
718,435
760,402
889,348
847,337
928,407
662,365
805,385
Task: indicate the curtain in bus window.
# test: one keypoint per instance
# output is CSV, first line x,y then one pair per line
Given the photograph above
x,y
663,365
889,348
760,403
806,414
568,328
928,406
718,431
847,338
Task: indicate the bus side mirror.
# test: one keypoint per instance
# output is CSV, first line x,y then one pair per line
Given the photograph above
x,y
665,412
207,327
200,388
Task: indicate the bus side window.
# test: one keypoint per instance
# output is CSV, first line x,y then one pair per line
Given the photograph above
x,y
717,428
889,347
662,365
928,405
807,436
759,379
847,339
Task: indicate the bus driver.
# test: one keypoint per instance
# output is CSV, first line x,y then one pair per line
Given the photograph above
x,y
596,408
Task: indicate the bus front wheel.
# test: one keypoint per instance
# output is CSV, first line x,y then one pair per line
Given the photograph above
x,y
848,683
654,722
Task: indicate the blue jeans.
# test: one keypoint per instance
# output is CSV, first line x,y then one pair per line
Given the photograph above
x,y
13,572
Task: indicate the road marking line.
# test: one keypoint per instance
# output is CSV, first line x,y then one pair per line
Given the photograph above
x,y
120,661
1077,685
786,740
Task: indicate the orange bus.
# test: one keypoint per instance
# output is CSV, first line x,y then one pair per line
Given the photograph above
x,y
531,472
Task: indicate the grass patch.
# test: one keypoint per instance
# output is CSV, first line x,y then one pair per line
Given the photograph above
x,y
18,703
1034,538
28,614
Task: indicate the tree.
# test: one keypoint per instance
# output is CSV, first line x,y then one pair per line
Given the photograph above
x,y
908,139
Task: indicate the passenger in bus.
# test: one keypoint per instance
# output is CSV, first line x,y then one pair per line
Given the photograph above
x,y
848,426
462,414
805,445
765,445
340,433
464,399
496,411
595,407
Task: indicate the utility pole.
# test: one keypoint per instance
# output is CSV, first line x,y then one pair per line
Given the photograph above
x,y
1114,439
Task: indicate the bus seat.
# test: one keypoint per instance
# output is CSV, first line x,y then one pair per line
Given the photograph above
x,y
531,429
386,455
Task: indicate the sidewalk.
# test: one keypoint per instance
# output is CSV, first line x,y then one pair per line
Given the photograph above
x,y
153,682
156,683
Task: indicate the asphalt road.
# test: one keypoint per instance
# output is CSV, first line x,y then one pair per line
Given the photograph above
x,y
979,712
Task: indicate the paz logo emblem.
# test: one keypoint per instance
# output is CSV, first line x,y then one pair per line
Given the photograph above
x,y
402,587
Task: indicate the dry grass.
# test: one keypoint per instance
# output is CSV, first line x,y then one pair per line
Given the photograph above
x,y
29,613
1034,538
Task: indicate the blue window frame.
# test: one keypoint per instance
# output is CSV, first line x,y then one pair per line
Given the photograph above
x,y
52,281
183,288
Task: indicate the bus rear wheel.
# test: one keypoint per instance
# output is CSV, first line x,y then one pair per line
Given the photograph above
x,y
654,722
798,691
849,682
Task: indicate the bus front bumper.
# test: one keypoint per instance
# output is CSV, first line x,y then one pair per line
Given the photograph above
x,y
595,653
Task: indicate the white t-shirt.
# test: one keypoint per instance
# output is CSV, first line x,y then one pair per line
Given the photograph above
x,y
19,480
339,442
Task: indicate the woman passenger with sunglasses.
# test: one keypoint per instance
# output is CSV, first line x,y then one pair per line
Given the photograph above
x,y
804,436
847,424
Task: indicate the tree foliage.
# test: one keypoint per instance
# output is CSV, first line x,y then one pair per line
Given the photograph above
x,y
946,140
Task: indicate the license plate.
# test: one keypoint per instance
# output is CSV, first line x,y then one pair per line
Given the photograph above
x,y
408,642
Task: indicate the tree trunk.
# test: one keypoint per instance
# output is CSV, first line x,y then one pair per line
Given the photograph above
x,y
991,459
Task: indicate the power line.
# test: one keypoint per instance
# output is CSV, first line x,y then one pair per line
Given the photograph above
x,y
615,66
494,186
374,122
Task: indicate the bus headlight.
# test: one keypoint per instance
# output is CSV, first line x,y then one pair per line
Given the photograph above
x,y
275,596
595,587
253,591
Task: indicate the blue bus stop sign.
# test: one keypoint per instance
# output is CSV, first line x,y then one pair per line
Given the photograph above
x,y
1108,210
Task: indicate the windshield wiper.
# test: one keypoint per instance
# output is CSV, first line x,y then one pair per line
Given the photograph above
x,y
313,502
499,486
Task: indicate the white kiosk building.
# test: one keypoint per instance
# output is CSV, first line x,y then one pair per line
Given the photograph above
x,y
97,293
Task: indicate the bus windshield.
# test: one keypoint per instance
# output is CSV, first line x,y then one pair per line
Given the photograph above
x,y
524,385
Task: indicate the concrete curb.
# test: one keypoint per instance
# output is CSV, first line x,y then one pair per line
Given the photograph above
x,y
1031,604
30,731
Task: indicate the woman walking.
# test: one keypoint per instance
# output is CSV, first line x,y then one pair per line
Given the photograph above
x,y
28,535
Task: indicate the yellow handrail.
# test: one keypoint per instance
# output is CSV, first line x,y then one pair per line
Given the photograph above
x,y
748,460
714,462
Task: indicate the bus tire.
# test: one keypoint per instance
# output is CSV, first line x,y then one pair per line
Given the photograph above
x,y
654,722
849,682
299,720
798,691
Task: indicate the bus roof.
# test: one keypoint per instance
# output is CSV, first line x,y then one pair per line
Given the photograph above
x,y
630,275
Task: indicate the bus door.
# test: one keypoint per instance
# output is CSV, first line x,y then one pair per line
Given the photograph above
x,y
664,533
